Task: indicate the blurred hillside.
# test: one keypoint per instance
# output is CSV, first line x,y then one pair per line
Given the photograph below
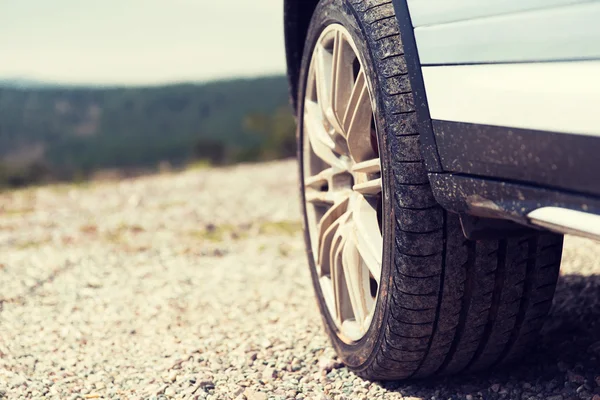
x,y
62,133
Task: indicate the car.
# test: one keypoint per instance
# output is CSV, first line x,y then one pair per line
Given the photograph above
x,y
444,148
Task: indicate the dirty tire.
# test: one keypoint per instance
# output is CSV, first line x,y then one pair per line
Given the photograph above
x,y
446,305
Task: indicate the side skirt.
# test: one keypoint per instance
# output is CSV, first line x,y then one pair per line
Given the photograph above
x,y
515,201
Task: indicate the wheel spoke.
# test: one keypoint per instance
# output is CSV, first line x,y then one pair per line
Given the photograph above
x,y
329,296
328,226
323,72
342,81
334,213
321,142
317,197
369,241
324,262
328,69
321,179
352,273
340,290
357,120
368,167
371,187
370,182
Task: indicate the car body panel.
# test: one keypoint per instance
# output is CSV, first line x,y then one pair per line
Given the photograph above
x,y
557,96
550,159
564,33
492,198
433,12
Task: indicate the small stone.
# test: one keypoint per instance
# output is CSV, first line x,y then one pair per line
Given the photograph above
x,y
269,373
596,397
326,365
207,385
172,376
469,397
237,392
161,390
254,395
495,387
555,397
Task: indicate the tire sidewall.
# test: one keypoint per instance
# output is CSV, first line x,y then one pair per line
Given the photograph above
x,y
328,12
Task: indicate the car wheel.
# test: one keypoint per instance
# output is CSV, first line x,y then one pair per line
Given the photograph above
x,y
401,291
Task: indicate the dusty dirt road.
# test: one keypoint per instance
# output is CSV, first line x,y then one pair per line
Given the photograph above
x,y
195,285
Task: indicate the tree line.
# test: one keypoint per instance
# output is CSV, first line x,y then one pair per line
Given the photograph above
x,y
60,133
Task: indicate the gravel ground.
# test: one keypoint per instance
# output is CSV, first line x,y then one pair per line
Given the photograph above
x,y
195,285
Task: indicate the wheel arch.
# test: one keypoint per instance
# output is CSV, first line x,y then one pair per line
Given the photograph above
x,y
297,15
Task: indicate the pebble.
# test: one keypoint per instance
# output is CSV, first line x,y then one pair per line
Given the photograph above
x,y
254,395
269,373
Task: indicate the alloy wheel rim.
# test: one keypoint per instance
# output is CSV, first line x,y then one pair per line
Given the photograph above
x,y
342,182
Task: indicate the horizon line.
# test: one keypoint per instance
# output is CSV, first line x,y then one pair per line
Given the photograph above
x,y
34,83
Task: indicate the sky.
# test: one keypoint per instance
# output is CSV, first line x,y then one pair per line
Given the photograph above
x,y
140,42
